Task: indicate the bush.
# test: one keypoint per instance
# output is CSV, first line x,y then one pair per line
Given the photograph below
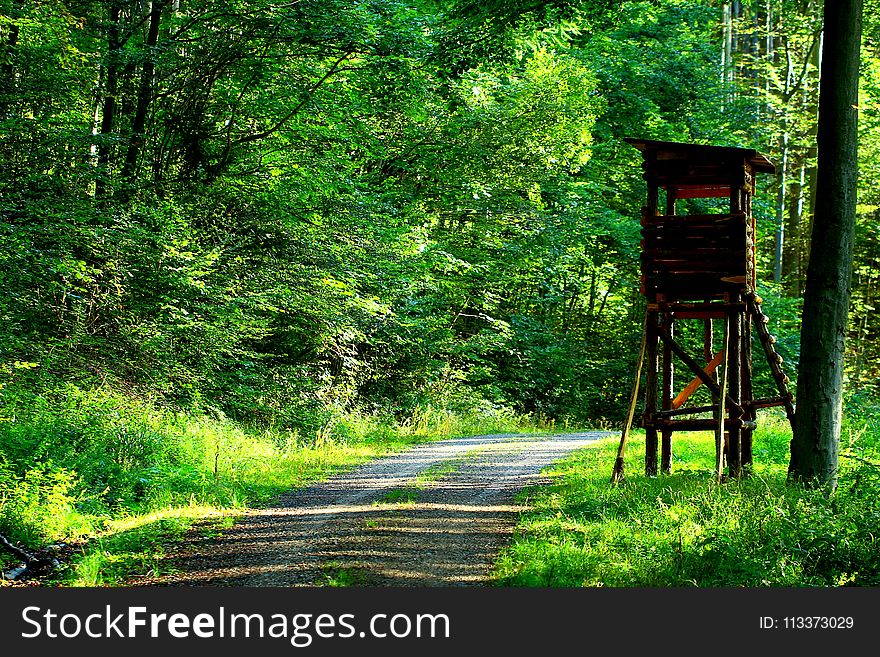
x,y
41,506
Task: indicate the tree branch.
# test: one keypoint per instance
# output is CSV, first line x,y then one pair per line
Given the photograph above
x,y
280,124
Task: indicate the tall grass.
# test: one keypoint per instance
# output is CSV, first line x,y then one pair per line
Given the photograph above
x,y
119,477
685,530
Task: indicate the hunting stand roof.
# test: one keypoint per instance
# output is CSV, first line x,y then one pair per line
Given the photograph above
x,y
699,171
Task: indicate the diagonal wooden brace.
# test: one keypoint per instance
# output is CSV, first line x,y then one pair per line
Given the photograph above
x,y
692,387
735,409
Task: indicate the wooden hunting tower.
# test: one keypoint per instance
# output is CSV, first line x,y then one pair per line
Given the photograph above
x,y
702,267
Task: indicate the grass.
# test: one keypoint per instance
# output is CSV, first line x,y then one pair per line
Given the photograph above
x,y
118,479
136,545
685,530
406,496
335,575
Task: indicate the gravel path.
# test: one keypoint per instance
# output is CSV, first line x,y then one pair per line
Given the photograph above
x,y
435,515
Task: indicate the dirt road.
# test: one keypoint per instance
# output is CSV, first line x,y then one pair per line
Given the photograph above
x,y
435,515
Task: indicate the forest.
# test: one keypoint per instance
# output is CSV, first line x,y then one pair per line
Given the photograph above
x,y
245,243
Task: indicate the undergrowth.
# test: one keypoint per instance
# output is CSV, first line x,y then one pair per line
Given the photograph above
x,y
684,529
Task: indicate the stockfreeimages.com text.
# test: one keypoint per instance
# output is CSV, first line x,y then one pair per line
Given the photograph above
x,y
300,629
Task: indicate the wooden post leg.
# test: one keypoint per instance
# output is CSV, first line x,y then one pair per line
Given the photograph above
x,y
720,404
747,393
734,446
651,359
666,397
708,355
650,396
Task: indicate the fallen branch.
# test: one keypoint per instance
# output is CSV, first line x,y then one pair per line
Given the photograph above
x,y
33,564
24,555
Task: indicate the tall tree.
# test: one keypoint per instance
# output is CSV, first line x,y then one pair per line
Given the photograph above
x,y
814,448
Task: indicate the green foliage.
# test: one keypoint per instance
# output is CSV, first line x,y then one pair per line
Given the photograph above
x,y
685,530
42,505
283,212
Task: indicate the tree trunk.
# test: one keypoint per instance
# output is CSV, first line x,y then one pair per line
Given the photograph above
x,y
794,220
783,177
7,76
108,112
726,52
144,95
770,47
738,44
810,173
780,207
814,447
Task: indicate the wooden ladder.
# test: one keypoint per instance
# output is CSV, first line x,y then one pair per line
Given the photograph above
x,y
786,398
